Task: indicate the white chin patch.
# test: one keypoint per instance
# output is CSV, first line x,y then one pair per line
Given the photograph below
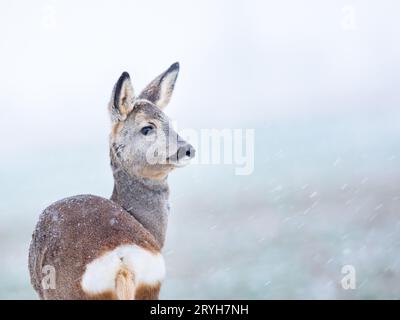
x,y
183,162
148,268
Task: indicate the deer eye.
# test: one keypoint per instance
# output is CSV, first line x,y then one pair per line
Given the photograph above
x,y
146,130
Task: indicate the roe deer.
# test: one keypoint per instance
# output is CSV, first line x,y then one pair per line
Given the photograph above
x,y
110,249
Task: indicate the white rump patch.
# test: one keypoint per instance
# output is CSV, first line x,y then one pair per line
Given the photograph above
x,y
148,268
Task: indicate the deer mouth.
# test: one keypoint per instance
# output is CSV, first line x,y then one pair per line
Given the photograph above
x,y
178,163
182,163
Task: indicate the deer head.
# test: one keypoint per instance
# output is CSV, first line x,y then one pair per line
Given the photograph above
x,y
142,141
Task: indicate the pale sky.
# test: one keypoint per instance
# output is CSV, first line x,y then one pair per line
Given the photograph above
x,y
241,62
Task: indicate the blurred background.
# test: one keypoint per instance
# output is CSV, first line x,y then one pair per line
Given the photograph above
x,y
317,81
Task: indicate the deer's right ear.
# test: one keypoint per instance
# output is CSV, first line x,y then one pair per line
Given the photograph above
x,y
122,98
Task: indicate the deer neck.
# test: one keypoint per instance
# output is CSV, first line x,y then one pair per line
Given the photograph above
x,y
145,199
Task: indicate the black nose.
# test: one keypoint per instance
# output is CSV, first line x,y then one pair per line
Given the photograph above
x,y
186,151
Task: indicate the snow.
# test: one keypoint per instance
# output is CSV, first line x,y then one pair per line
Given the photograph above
x,y
325,189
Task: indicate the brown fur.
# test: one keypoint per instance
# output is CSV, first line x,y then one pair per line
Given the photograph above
x,y
108,295
146,292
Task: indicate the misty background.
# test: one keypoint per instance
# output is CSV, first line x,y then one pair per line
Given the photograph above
x,y
318,81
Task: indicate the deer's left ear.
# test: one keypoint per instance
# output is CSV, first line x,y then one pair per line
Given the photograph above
x,y
159,91
122,98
